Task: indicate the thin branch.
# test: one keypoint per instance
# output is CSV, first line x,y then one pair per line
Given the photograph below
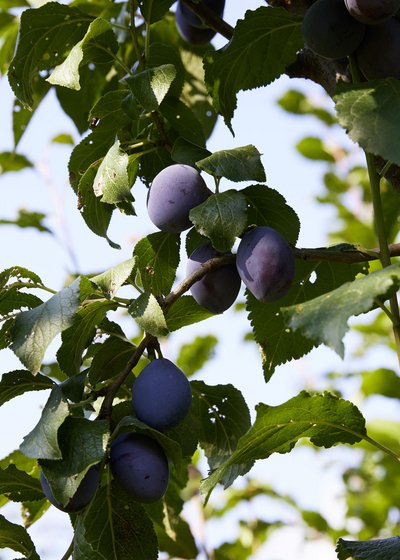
x,y
344,255
210,18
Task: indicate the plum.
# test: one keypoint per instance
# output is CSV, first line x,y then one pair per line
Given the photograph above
x,y
190,26
265,263
330,31
140,466
372,12
161,394
218,289
377,56
174,192
84,494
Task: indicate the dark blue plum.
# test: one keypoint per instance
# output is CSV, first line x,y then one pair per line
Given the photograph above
x,y
330,31
265,263
183,12
377,55
372,12
140,466
174,192
190,26
84,494
218,289
161,394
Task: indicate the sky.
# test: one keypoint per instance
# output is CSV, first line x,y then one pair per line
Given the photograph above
x,y
259,121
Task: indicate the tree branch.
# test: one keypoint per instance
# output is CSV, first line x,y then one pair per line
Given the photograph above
x,y
343,253
210,18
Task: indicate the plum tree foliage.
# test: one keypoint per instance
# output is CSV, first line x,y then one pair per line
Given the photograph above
x,y
121,440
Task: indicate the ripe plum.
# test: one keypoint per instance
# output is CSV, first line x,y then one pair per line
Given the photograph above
x,y
218,289
330,31
377,56
174,192
186,14
161,394
372,12
265,263
140,466
84,494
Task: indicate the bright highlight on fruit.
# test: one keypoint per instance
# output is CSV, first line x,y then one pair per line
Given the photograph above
x,y
174,192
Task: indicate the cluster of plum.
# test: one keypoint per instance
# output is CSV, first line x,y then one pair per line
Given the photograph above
x,y
264,260
191,28
161,398
367,29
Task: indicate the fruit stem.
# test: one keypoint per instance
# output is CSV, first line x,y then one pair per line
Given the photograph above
x,y
69,551
384,252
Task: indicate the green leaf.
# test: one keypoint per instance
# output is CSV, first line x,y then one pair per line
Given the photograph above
x,y
188,153
26,219
83,444
152,85
157,257
185,311
364,109
296,102
18,382
10,161
182,120
42,441
11,298
9,25
19,273
258,38
221,218
16,538
154,11
148,315
224,418
22,115
112,279
314,148
381,381
112,183
63,138
278,343
325,419
98,45
267,207
80,334
237,164
18,486
193,355
377,549
44,36
97,214
114,526
324,319
35,329
110,359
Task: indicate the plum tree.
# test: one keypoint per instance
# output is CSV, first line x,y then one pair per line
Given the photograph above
x,y
218,289
377,56
174,192
161,394
372,12
192,19
84,494
265,263
140,466
330,31
190,26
